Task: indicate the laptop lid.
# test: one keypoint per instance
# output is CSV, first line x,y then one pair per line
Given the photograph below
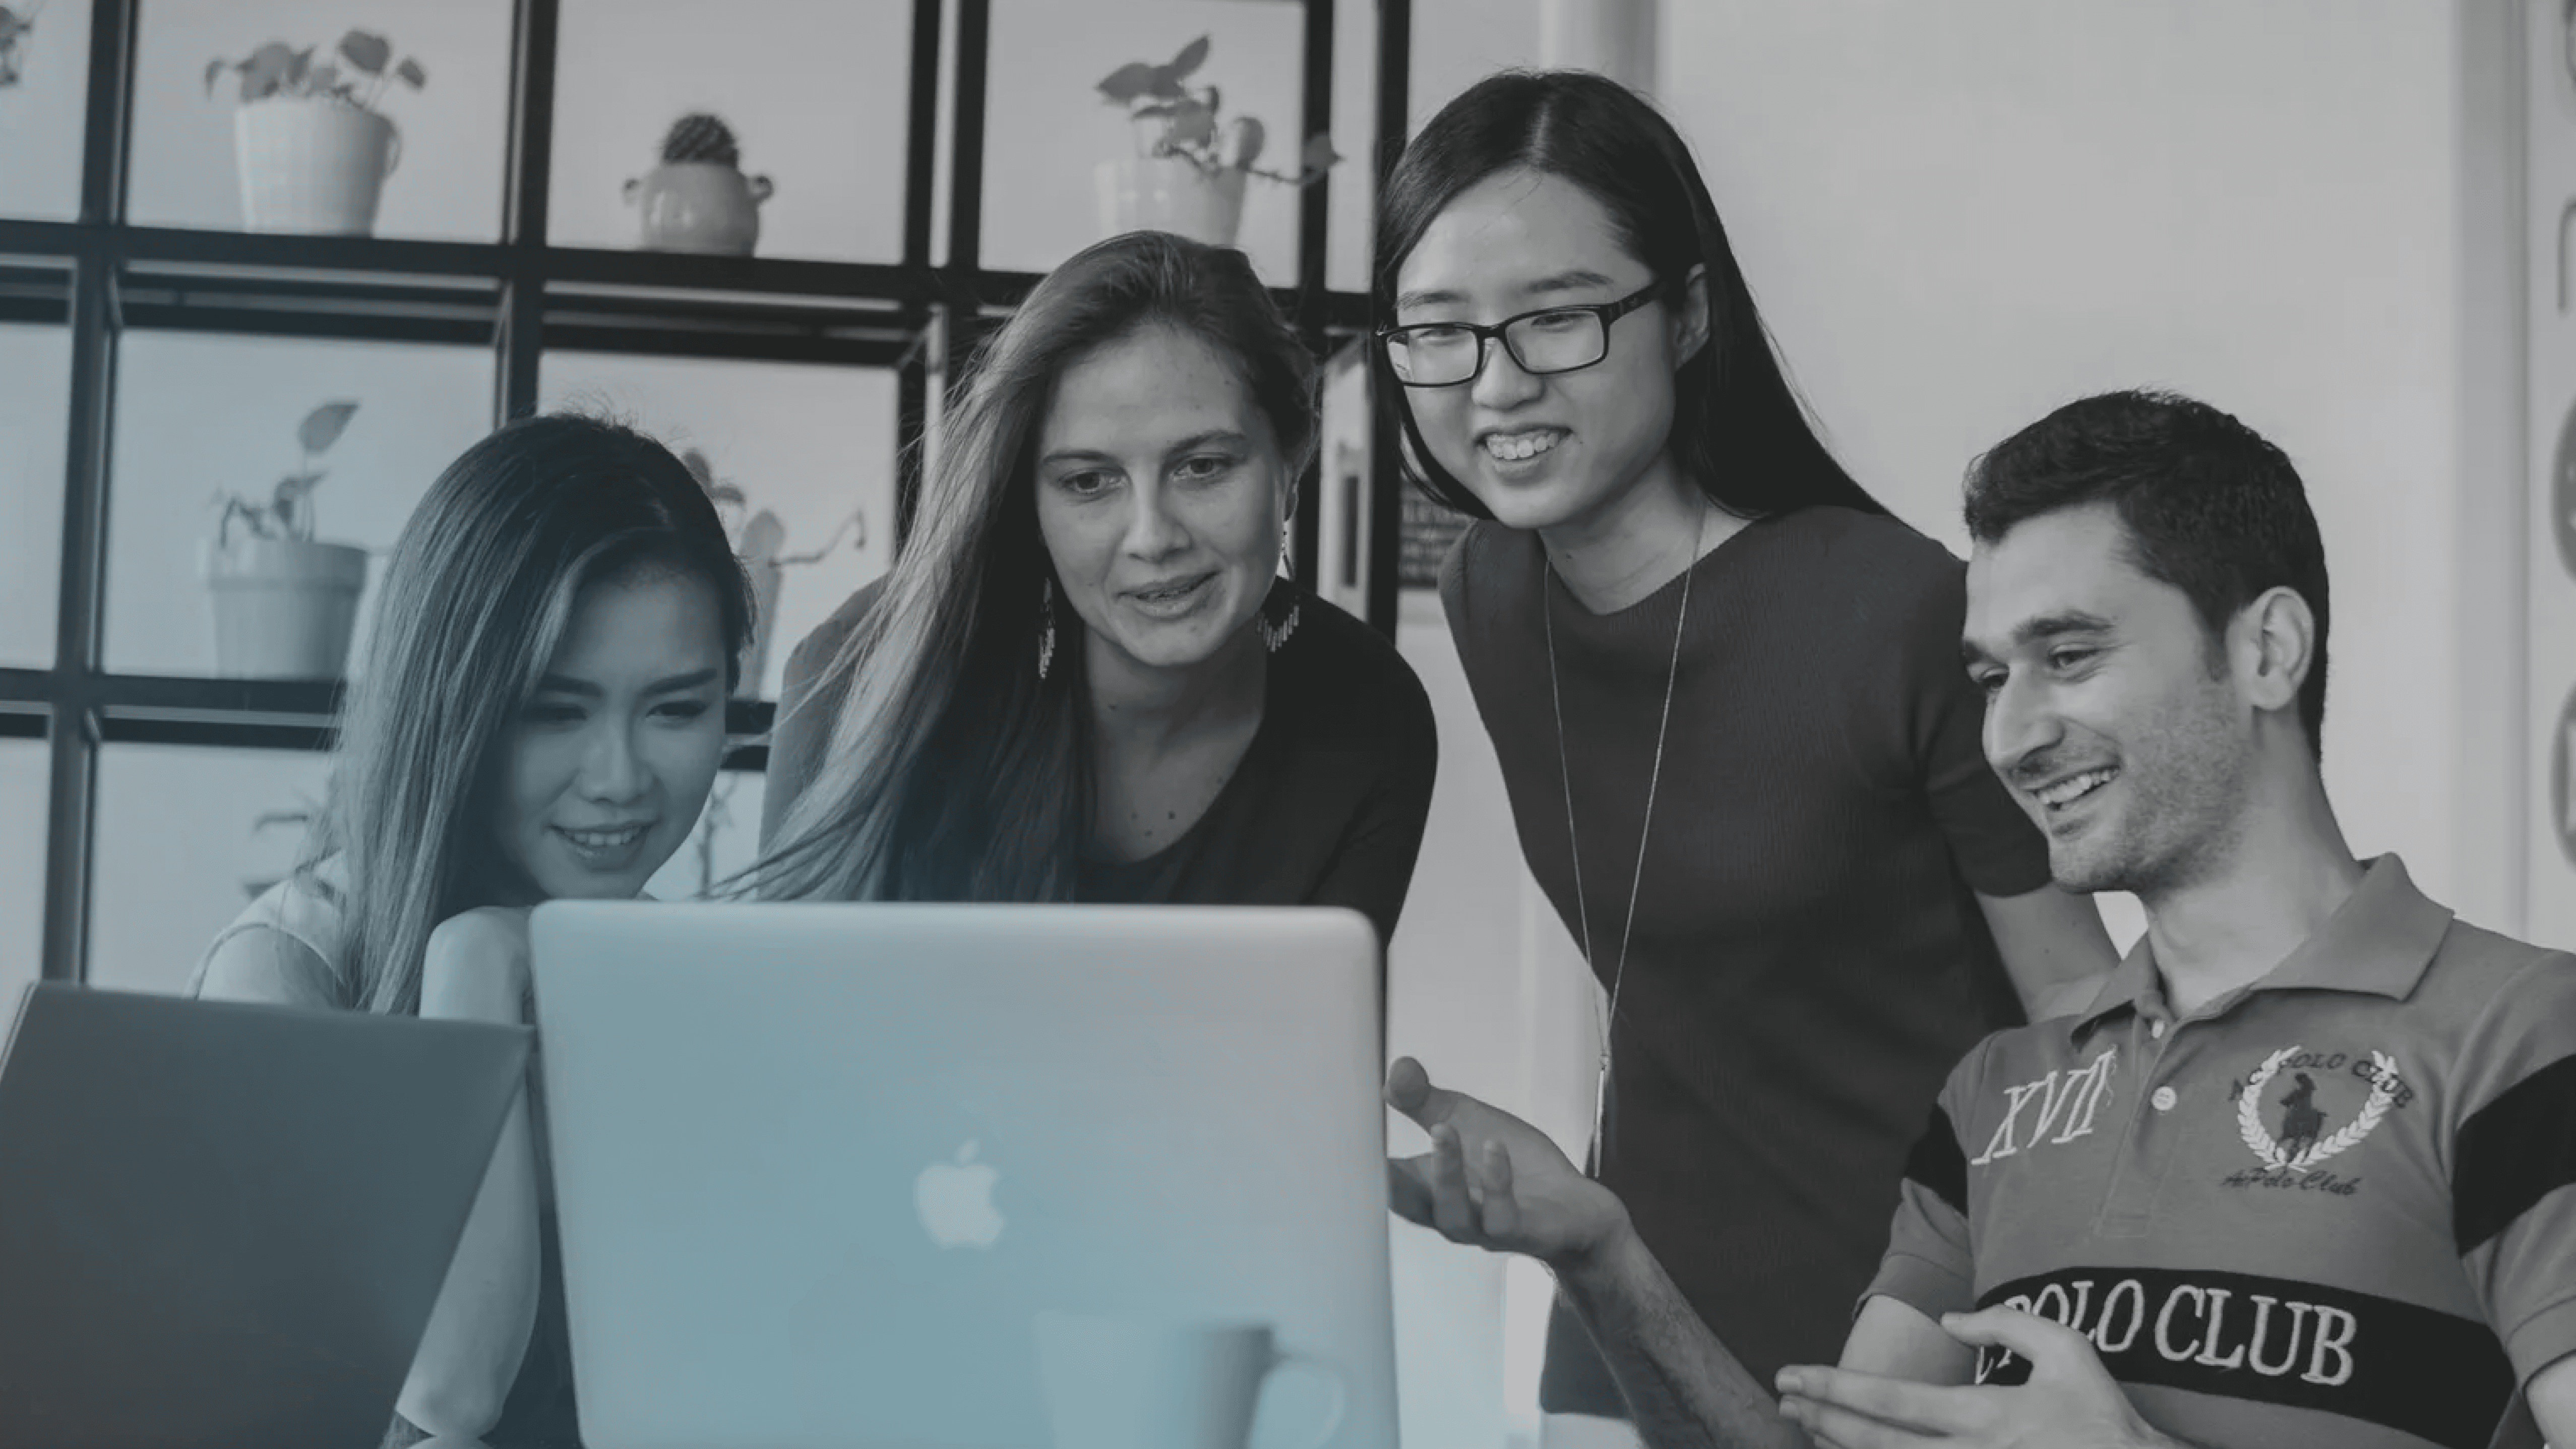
x,y
819,1168
224,1223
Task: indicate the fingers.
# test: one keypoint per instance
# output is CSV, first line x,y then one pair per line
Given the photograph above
x,y
1501,1215
1843,1429
2043,1341
1409,1090
1867,1398
1454,1210
1408,1189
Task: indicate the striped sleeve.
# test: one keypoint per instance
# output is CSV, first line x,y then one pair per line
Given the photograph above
x,y
2513,1165
1930,1262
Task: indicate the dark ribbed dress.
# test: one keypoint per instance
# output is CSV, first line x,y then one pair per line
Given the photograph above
x,y
1809,957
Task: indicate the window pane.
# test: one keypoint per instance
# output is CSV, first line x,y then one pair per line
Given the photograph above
x,y
35,381
22,868
1353,185
1048,130
44,93
813,93
201,414
445,176
814,446
1342,523
727,839
181,851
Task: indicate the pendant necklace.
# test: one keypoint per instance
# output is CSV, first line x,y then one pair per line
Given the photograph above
x,y
1565,773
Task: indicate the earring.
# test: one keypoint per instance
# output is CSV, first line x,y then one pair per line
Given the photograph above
x,y
1046,625
1275,632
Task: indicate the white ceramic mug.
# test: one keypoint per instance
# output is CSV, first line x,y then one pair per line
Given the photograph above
x,y
1120,1383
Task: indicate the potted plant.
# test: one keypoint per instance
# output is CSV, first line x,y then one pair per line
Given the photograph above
x,y
759,540
1188,173
14,30
698,200
284,605
314,150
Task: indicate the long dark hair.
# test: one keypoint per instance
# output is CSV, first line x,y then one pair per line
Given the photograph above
x,y
479,593
1740,431
953,772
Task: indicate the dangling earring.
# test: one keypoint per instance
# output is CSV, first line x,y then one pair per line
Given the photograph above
x,y
1046,625
1274,631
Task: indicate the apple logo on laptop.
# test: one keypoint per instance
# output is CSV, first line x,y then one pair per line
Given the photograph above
x,y
956,1201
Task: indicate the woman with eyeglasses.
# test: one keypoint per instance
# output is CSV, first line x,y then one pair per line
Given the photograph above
x,y
1725,689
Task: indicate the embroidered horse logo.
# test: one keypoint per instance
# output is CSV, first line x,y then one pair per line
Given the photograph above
x,y
2304,1141
2301,1119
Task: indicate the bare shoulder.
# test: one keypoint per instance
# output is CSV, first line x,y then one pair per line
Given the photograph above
x,y
264,964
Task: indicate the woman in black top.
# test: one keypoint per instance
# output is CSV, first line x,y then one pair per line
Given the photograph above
x,y
1084,679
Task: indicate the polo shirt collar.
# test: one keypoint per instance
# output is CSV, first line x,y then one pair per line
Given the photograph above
x,y
2380,941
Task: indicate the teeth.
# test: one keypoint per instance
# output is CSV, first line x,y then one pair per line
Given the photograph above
x,y
2075,787
1517,446
604,839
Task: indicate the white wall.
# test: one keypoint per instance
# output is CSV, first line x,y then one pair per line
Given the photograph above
x,y
1983,209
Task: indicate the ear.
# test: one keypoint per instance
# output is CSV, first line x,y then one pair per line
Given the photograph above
x,y
2277,647
1690,318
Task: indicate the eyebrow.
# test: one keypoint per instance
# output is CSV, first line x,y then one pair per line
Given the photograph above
x,y
1211,437
2038,630
1567,281
558,684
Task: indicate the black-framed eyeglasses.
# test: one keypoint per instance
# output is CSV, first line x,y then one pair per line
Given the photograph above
x,y
1557,339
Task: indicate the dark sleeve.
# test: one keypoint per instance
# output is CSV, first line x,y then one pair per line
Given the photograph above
x,y
1919,718
1931,1259
806,704
1373,870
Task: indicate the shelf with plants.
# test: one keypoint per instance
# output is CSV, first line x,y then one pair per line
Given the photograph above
x,y
693,289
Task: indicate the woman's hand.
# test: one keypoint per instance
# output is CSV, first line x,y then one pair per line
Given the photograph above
x,y
476,967
1494,1181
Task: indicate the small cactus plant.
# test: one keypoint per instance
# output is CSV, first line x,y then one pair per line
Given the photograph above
x,y
701,137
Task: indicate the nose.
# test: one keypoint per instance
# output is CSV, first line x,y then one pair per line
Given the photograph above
x,y
1153,532
1501,383
2022,725
612,769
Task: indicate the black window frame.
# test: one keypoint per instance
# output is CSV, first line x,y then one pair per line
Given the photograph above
x,y
98,276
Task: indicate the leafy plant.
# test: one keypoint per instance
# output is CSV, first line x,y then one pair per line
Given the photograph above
x,y
1173,119
358,77
758,538
14,30
288,513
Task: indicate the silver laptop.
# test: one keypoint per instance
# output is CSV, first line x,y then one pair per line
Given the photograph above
x,y
821,1169
226,1224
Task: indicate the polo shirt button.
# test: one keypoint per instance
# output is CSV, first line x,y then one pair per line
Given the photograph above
x,y
2164,1099
2156,1029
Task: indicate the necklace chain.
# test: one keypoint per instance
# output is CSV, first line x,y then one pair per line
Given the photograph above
x,y
1654,777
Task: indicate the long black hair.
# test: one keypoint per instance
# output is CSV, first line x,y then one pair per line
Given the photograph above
x,y
1739,430
479,594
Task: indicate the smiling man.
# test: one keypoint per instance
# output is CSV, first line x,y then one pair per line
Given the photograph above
x,y
2303,1173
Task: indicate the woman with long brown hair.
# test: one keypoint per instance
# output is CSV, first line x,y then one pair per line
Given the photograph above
x,y
542,715
1085,679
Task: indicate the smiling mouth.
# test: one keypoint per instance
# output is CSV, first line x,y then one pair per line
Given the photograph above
x,y
603,840
2073,788
1523,446
1167,593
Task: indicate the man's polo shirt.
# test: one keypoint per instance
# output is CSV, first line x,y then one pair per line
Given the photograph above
x,y
2334,1208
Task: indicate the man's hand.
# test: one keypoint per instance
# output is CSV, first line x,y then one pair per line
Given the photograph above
x,y
476,966
1492,1180
2070,1402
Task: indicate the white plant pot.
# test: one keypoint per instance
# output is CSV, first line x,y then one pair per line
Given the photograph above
x,y
284,609
1165,193
314,166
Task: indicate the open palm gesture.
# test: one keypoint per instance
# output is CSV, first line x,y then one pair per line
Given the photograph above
x,y
1492,1180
